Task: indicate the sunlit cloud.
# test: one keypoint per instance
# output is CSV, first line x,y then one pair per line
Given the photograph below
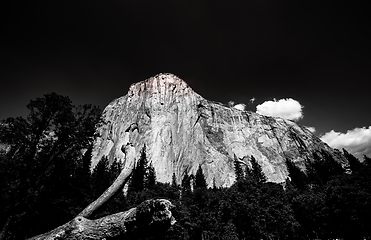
x,y
357,141
252,100
287,108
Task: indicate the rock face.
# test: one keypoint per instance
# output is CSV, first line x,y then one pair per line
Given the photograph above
x,y
182,130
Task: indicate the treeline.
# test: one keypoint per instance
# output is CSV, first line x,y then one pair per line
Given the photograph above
x,y
323,203
45,180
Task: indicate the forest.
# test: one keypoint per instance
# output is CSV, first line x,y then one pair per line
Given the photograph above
x,y
46,180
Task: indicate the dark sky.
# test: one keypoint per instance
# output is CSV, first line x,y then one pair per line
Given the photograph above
x,y
316,52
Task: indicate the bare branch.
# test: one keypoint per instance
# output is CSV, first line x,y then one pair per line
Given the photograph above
x,y
117,185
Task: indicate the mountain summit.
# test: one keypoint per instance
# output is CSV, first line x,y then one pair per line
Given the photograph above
x,y
182,131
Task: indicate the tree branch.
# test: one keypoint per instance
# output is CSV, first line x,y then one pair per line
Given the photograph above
x,y
118,184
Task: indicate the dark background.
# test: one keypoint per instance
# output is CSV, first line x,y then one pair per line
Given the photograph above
x,y
316,52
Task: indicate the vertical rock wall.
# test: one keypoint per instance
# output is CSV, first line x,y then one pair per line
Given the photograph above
x,y
182,130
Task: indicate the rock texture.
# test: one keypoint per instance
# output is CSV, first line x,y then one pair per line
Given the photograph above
x,y
182,130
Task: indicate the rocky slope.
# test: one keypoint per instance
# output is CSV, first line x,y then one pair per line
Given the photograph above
x,y
182,130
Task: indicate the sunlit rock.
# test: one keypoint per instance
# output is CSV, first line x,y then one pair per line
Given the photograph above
x,y
182,130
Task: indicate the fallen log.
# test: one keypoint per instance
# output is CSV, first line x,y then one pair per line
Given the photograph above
x,y
151,214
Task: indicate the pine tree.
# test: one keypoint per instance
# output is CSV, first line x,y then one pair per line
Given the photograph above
x,y
238,169
214,184
151,177
100,177
313,176
114,170
257,171
86,162
137,181
334,166
174,183
298,178
200,181
186,183
325,165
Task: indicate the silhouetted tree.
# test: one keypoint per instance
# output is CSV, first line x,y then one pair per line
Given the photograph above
x,y
150,177
238,170
45,157
137,181
114,170
298,178
257,171
325,165
214,184
186,183
101,177
174,181
200,181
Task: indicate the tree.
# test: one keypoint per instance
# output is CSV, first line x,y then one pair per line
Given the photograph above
x,y
325,165
238,169
151,177
214,184
174,183
298,178
100,177
86,162
45,150
186,183
200,181
46,157
137,182
257,171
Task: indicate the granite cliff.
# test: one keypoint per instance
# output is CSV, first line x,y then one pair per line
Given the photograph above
x,y
182,130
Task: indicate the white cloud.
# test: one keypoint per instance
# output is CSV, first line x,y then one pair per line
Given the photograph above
x,y
240,106
252,100
285,108
357,141
311,129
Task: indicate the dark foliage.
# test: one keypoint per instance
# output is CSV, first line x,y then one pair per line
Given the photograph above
x,y
298,178
45,176
174,181
150,179
186,183
367,161
45,180
257,172
138,179
238,169
325,166
200,181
